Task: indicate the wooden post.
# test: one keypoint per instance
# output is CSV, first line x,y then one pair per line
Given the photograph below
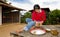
x,y
19,17
0,15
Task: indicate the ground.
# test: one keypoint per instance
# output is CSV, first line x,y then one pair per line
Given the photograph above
x,y
5,29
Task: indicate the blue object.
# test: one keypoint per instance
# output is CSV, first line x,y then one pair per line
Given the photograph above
x,y
30,23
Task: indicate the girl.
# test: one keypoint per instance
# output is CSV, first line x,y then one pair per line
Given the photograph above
x,y
38,18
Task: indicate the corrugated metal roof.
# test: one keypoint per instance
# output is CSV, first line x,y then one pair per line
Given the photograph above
x,y
8,5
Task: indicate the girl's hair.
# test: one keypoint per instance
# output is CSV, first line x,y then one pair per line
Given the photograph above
x,y
36,6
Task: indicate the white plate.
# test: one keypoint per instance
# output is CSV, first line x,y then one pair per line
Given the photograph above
x,y
38,32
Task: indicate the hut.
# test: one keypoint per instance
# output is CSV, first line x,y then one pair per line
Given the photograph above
x,y
9,13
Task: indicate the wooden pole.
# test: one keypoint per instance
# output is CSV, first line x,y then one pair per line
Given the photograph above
x,y
19,17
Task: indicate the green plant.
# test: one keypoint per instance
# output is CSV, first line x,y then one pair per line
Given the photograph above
x,y
26,15
54,16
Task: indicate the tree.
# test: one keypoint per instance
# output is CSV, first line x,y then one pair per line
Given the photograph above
x,y
54,16
26,15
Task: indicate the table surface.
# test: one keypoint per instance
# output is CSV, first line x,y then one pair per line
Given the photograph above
x,y
48,34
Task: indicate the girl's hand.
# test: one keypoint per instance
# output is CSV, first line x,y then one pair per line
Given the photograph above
x,y
37,24
41,23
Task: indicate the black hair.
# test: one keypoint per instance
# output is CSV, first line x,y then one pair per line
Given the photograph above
x,y
36,6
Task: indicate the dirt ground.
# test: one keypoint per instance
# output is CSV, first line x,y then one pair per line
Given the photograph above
x,y
5,29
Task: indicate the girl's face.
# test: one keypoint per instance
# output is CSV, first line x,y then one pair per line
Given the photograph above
x,y
37,10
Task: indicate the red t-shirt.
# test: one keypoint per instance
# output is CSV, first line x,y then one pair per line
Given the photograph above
x,y
39,16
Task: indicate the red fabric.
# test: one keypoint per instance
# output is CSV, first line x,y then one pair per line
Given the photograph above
x,y
39,16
